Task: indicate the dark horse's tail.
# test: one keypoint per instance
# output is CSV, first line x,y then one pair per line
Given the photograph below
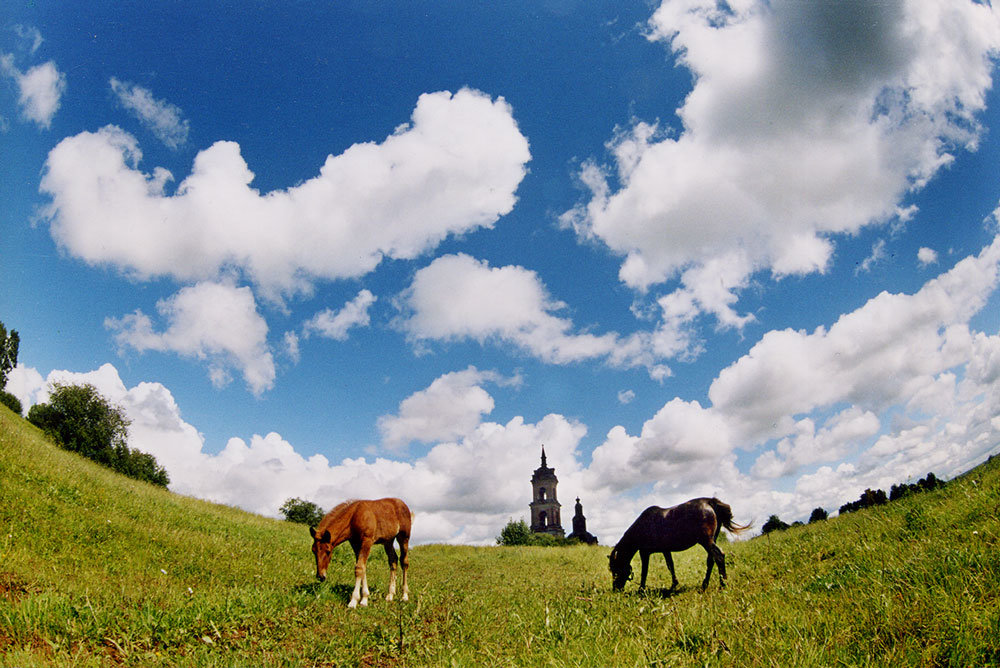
x,y
725,516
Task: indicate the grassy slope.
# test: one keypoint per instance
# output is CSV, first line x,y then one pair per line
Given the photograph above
x,y
81,553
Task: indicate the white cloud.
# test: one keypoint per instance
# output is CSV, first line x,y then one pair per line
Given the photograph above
x,y
291,340
166,121
453,169
840,435
626,396
450,408
878,254
40,89
806,121
336,324
927,256
458,297
882,354
29,34
209,321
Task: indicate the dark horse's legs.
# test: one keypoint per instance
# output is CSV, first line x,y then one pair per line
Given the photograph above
x,y
644,558
715,556
670,565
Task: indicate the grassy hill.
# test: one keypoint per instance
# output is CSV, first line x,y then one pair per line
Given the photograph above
x,y
96,569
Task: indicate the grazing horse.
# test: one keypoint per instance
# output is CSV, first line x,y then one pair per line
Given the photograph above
x,y
667,530
363,524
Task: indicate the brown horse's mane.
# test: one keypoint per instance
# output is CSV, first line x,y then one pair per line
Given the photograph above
x,y
335,514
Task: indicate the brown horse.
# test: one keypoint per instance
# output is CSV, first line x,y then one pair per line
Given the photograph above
x,y
365,523
666,530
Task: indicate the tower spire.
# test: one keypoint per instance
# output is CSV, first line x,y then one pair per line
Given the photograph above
x,y
543,456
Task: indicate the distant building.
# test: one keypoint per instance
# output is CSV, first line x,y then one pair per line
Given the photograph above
x,y
580,526
545,505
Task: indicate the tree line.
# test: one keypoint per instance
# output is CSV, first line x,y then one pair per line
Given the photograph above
x,y
868,499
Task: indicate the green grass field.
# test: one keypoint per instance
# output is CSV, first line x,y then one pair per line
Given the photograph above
x,y
96,569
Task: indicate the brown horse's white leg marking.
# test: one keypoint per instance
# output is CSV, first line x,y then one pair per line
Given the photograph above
x,y
360,595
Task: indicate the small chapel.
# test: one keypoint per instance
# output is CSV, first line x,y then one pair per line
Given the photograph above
x,y
545,507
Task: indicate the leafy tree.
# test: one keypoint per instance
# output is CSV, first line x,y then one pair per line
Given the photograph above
x,y
515,533
773,523
8,353
302,511
80,420
818,514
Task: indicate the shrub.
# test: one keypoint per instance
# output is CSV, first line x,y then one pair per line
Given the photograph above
x,y
11,402
302,511
518,533
515,533
818,515
773,523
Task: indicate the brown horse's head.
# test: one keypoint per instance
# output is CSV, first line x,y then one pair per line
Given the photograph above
x,y
322,547
621,570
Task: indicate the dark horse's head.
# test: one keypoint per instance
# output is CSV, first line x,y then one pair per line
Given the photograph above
x,y
322,547
621,569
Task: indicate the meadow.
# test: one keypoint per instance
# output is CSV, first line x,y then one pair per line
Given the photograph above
x,y
98,570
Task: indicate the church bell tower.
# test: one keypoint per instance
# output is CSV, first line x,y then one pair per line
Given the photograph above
x,y
544,503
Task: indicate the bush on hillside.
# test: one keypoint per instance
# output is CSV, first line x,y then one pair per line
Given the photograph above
x,y
518,533
302,511
11,402
515,533
818,515
773,523
80,420
868,499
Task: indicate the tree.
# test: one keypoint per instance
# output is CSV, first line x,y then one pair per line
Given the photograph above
x,y
80,420
8,353
515,533
302,511
773,523
818,514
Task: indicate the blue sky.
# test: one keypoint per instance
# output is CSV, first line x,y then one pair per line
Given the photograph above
x,y
335,250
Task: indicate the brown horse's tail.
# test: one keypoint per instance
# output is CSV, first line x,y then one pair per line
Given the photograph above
x,y
725,516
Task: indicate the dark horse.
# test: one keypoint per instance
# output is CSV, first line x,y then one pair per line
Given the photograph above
x,y
363,524
667,530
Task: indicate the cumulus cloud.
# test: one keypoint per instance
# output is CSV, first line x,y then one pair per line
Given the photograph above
x,y
450,408
626,396
40,89
882,354
927,256
458,297
806,121
454,168
336,324
166,121
209,321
